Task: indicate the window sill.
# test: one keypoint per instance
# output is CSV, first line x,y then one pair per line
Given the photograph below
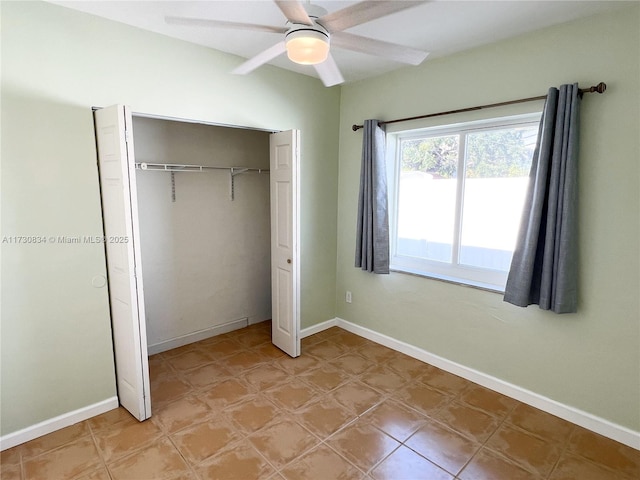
x,y
455,281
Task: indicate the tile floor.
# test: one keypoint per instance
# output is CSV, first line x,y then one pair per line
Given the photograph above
x,y
235,407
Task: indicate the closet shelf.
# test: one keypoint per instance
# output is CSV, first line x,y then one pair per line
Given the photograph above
x,y
175,167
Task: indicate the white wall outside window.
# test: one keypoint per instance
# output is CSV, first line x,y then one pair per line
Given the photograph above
x,y
455,198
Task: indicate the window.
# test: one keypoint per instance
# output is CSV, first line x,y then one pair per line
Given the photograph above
x,y
456,198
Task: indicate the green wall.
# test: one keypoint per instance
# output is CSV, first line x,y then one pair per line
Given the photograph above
x,y
58,63
589,360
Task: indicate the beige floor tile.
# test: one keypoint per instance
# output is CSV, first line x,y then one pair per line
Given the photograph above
x,y
281,442
119,442
542,424
491,402
325,378
606,452
383,379
530,452
329,332
356,397
67,462
234,403
269,351
292,395
225,393
202,441
376,353
254,338
423,398
405,464
222,348
117,417
348,339
182,413
298,365
310,340
321,463
54,440
443,381
471,422
174,352
572,467
159,461
395,419
241,462
408,367
168,389
265,376
189,360
158,367
489,466
11,456
324,417
242,361
207,375
351,363
363,445
10,471
101,473
326,350
252,414
443,446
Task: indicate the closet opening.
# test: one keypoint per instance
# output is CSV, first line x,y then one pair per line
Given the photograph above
x,y
204,229
210,214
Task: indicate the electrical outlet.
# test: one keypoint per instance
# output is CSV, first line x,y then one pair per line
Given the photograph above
x,y
348,297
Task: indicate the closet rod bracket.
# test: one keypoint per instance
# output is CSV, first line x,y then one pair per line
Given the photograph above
x,y
233,172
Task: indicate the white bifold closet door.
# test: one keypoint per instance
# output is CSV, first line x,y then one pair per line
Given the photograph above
x,y
285,241
126,296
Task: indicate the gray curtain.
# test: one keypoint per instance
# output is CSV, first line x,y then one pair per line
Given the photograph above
x,y
372,236
544,266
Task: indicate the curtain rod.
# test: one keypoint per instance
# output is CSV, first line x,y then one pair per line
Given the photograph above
x,y
600,88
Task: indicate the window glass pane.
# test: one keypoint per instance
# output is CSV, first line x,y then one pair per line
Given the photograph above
x,y
496,177
427,197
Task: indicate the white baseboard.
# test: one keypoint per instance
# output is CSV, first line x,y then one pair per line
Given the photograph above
x,y
197,336
56,423
313,329
584,419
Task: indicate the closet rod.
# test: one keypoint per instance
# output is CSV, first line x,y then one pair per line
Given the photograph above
x,y
175,167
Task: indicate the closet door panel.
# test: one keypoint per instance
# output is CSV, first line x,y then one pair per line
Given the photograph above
x,y
119,205
285,245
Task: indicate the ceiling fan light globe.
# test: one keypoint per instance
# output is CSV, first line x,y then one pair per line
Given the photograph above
x,y
307,47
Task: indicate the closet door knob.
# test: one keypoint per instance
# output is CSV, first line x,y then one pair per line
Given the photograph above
x,y
288,260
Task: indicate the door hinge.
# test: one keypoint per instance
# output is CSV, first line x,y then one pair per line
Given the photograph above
x,y
126,136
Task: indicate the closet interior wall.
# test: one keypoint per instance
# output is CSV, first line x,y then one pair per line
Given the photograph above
x,y
205,258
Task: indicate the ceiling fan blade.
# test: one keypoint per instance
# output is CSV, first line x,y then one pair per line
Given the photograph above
x,y
201,22
329,72
370,46
260,59
294,11
363,12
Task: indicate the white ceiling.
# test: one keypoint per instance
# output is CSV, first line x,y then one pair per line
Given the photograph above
x,y
440,27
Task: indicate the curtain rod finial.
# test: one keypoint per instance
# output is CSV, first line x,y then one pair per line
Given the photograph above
x,y
600,88
355,128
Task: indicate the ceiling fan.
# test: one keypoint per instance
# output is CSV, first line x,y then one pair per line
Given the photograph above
x,y
310,31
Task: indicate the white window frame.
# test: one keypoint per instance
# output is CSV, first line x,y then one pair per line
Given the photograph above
x,y
484,278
